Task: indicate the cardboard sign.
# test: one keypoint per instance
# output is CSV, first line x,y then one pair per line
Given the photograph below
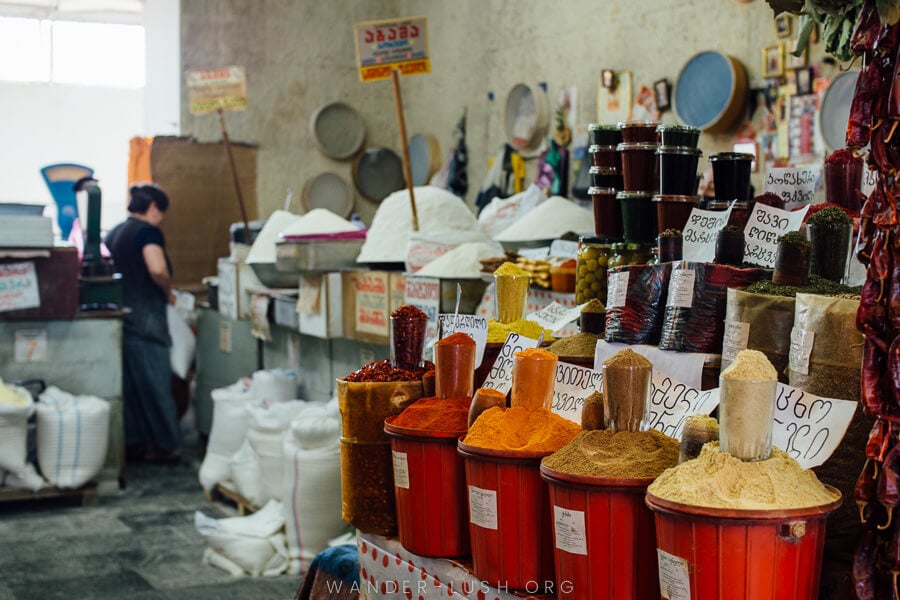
x,y
425,294
212,89
555,316
764,227
500,377
401,44
795,185
18,286
672,402
475,327
573,385
372,303
30,346
699,235
807,427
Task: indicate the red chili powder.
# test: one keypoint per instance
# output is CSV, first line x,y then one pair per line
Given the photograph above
x,y
448,415
457,339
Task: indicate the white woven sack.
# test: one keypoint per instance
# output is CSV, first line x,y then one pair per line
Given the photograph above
x,y
72,437
312,499
229,428
14,431
274,385
318,424
246,475
254,543
269,425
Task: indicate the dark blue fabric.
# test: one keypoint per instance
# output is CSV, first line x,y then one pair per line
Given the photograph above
x,y
333,573
149,409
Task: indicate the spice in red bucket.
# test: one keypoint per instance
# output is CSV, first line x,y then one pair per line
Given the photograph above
x,y
616,455
444,415
522,429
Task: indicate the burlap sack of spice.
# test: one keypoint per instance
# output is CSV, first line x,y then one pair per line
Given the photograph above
x,y
367,477
769,320
834,369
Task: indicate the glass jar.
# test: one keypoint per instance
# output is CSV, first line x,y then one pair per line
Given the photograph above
x,y
619,257
638,254
654,256
590,275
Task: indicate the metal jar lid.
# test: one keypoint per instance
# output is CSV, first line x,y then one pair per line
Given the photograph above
x,y
627,146
676,198
686,150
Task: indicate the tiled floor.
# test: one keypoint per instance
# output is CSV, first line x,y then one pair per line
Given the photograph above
x,y
139,544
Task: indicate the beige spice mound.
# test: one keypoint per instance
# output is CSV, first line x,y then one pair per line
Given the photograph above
x,y
751,365
619,455
718,480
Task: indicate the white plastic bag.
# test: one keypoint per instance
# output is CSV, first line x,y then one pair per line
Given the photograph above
x,y
184,343
425,246
254,543
72,437
230,422
500,213
274,385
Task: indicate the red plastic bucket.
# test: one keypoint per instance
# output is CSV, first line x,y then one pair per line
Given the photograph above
x,y
754,554
604,540
430,489
509,518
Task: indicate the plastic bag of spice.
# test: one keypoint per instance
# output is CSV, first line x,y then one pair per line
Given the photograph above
x,y
367,483
758,322
694,318
635,299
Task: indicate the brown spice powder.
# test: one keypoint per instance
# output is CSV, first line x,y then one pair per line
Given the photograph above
x,y
627,358
620,455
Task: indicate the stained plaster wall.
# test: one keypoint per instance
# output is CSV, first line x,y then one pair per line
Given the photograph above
x,y
300,54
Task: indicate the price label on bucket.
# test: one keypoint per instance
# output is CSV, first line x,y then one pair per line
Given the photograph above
x,y
795,185
573,385
475,327
765,225
674,576
500,377
807,427
483,507
570,530
699,235
672,402
401,469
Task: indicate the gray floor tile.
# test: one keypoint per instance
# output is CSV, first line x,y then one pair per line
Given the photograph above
x,y
121,584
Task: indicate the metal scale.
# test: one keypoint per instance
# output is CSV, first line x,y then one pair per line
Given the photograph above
x,y
99,286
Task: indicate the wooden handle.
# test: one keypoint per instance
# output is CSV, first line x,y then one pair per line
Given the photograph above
x,y
407,169
234,176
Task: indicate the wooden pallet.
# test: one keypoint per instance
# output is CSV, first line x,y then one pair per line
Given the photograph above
x,y
87,493
227,500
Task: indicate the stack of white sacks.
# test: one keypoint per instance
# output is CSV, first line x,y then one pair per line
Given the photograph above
x,y
72,434
283,455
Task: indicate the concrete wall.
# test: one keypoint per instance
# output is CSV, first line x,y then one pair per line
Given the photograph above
x,y
301,54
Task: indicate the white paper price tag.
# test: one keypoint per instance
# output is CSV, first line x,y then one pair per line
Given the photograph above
x,y
672,402
764,227
401,469
474,327
573,384
555,316
617,289
869,180
808,427
801,347
674,576
737,334
483,507
681,288
795,185
700,232
500,377
570,530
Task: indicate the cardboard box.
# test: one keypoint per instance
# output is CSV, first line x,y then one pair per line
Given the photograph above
x,y
320,307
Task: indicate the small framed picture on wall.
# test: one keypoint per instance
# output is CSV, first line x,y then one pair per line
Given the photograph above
x,y
773,61
784,26
662,89
804,81
795,62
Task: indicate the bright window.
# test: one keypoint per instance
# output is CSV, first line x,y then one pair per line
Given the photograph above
x,y
70,52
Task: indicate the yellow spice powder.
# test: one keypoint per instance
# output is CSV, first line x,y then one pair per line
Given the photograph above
x,y
521,429
509,269
718,480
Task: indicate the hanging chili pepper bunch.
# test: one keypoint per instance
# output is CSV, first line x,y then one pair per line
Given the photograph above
x,y
875,120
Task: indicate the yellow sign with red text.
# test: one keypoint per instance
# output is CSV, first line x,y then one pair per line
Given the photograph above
x,y
212,89
401,44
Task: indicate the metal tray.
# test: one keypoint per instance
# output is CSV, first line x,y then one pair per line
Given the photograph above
x,y
316,255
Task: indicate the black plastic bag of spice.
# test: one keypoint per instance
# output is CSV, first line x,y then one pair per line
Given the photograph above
x,y
635,299
694,316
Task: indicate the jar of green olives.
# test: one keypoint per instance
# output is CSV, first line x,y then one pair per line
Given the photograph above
x,y
619,256
590,276
638,254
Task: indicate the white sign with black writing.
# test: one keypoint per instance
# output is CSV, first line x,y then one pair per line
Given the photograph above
x,y
570,530
681,288
672,402
18,286
796,186
555,316
500,377
401,469
674,576
737,334
801,348
869,180
765,225
573,385
483,507
617,289
807,427
474,327
700,232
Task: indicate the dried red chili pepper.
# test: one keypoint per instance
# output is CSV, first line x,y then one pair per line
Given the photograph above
x,y
893,362
408,325
866,488
871,394
862,107
877,445
381,371
889,484
866,30
864,566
